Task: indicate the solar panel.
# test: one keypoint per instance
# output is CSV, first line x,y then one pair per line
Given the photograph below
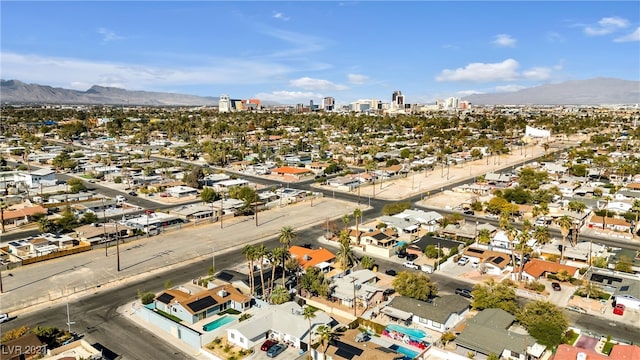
x,y
347,351
477,251
165,298
202,304
624,288
498,260
224,276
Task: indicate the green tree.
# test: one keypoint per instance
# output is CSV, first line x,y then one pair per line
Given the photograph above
x,y
287,237
415,285
396,208
432,252
565,224
209,195
249,252
89,218
357,214
544,321
326,335
279,295
76,185
261,253
345,255
309,313
494,295
68,220
484,236
193,177
367,262
624,264
314,282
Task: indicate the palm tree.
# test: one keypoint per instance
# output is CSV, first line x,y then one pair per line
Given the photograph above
x,y
636,208
484,236
345,220
275,257
512,234
309,313
523,238
279,295
287,237
541,234
345,255
326,335
3,205
261,253
357,213
565,224
249,253
367,262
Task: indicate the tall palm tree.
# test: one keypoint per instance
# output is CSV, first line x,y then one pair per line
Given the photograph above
x,y
326,335
287,237
367,262
249,253
261,253
512,234
357,213
279,295
3,205
345,255
541,234
636,208
345,220
565,224
275,257
309,313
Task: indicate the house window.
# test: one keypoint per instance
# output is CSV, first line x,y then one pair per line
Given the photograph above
x,y
232,335
436,324
423,320
515,355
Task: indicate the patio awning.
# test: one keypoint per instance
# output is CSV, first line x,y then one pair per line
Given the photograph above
x,y
323,265
395,313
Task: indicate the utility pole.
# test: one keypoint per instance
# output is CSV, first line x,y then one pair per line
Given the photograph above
x,y
1,290
117,245
104,229
353,281
69,322
221,210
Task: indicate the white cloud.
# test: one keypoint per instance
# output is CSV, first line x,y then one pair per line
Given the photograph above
x,y
308,83
464,93
482,72
357,79
606,26
634,36
504,40
108,35
509,88
80,74
280,16
288,97
537,73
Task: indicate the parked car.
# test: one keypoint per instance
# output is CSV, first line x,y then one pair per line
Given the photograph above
x,y
275,350
411,265
4,318
412,257
463,261
577,309
556,286
469,212
464,293
267,345
361,337
619,309
402,254
133,193
391,272
388,291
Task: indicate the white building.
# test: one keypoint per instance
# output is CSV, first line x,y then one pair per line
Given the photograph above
x,y
224,104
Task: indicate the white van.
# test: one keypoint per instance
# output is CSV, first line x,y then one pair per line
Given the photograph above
x,y
120,198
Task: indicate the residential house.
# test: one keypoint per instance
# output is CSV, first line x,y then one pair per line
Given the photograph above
x,y
152,222
495,263
95,207
390,171
196,212
192,308
39,177
379,242
625,352
79,349
440,314
578,253
96,233
23,215
321,258
344,346
460,231
536,269
292,171
610,223
285,323
181,191
360,283
618,352
343,183
225,185
624,287
489,332
443,244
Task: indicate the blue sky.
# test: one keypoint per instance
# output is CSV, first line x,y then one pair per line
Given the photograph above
x,y
293,52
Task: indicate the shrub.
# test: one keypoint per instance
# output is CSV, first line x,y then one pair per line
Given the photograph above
x,y
535,286
146,297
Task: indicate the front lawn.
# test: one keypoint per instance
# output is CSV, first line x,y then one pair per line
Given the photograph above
x,y
169,316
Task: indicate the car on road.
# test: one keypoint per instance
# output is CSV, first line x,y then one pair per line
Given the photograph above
x,y
463,261
556,286
464,293
4,318
267,345
275,350
412,257
391,272
411,265
469,212
619,309
132,193
577,309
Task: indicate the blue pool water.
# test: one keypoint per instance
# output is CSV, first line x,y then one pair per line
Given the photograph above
x,y
408,353
218,323
414,333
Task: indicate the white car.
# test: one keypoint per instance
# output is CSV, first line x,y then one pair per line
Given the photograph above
x,y
411,265
463,261
4,317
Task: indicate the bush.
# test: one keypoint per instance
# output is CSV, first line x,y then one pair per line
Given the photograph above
x,y
146,298
535,286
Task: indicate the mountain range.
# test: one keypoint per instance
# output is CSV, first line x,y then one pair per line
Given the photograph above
x,y
17,92
597,91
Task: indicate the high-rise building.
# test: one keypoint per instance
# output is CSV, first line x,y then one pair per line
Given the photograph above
x,y
328,103
397,100
224,104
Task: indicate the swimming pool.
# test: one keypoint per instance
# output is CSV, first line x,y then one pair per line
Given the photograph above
x,y
414,333
218,323
408,353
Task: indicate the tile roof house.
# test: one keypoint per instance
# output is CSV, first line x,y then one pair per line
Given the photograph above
x,y
25,347
320,258
345,347
568,352
441,314
489,333
284,322
536,269
625,352
195,307
22,216
495,262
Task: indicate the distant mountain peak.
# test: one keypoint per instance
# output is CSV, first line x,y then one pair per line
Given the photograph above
x,y
596,91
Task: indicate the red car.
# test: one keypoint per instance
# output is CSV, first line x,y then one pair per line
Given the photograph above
x,y
267,345
618,309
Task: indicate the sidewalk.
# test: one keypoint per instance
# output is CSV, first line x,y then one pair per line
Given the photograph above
x,y
37,285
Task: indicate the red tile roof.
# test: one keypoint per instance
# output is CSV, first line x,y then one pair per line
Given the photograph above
x,y
290,170
568,352
537,267
21,213
313,258
625,352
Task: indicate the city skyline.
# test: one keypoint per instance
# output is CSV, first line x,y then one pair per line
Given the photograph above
x,y
297,52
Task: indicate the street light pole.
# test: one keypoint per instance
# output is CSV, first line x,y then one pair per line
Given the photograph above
x,y
221,210
104,229
117,245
